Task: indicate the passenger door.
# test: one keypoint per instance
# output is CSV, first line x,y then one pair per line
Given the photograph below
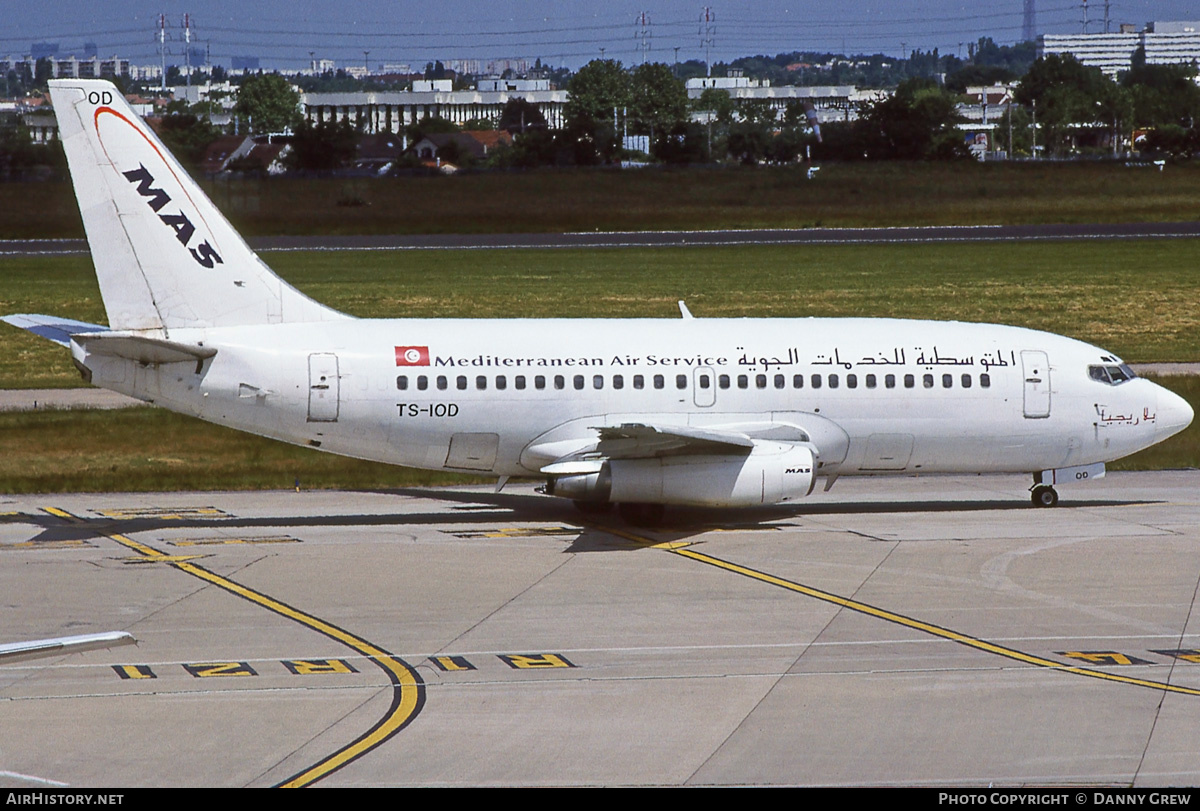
x,y
1036,367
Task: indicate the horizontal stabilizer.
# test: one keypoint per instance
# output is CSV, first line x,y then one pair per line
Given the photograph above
x,y
16,651
52,327
142,349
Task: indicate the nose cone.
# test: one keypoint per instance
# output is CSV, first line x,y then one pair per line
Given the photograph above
x,y
1174,413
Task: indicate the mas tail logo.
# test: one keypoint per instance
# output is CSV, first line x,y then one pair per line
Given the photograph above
x,y
412,356
157,199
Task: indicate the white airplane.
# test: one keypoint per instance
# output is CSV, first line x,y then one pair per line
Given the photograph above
x,y
638,412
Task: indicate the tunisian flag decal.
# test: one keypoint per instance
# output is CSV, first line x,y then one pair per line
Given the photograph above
x,y
412,356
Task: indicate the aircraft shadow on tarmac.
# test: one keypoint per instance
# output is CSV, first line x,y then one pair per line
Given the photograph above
x,y
492,509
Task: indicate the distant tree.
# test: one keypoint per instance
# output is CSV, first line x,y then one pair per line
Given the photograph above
x,y
520,115
917,122
658,101
599,88
1064,93
187,134
718,113
19,155
322,147
1172,141
269,103
1016,58
978,75
1163,94
430,125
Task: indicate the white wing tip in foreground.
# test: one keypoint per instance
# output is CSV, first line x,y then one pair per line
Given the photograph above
x,y
15,651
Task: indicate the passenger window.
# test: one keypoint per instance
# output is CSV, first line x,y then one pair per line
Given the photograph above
x,y
539,381
889,381
618,381
560,382
481,382
578,381
639,382
760,381
461,382
815,380
597,381
681,381
743,382
705,382
797,381
659,381
422,382
402,382
723,381
442,383
852,381
519,382
966,381
985,381
833,381
870,381
909,381
780,381
947,381
927,381
501,382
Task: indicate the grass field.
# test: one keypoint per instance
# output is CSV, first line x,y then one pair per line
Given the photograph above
x,y
1136,298
699,198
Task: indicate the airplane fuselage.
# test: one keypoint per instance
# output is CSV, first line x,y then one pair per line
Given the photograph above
x,y
507,397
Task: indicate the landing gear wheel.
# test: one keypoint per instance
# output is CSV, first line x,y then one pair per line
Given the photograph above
x,y
1044,495
592,507
642,515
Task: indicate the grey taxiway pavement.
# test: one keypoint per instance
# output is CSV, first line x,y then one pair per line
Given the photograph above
x,y
924,630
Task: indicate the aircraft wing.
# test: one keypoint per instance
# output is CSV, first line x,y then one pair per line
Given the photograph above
x,y
52,327
644,441
16,651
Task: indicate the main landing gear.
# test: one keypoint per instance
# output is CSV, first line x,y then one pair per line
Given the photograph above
x,y
1042,495
642,515
639,515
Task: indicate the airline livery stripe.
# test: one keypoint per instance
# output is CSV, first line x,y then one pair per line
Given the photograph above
x,y
182,186
683,549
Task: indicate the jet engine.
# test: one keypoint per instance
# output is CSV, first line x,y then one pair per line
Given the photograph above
x,y
771,473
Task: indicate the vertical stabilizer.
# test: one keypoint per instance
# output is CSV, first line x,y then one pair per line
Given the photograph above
x,y
165,256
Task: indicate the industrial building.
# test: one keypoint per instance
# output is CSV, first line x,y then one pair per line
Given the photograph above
x,y
392,111
1165,43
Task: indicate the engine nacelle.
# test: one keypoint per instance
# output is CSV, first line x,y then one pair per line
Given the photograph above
x,y
771,473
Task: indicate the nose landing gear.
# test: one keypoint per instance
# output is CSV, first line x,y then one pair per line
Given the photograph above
x,y
1043,495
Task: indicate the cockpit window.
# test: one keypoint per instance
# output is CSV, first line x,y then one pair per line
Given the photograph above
x,y
1112,375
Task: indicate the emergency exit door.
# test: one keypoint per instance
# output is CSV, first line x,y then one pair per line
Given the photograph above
x,y
324,388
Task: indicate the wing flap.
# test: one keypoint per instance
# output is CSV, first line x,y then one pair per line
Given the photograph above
x,y
643,441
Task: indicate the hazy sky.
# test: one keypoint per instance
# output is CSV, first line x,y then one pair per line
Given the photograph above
x,y
568,32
